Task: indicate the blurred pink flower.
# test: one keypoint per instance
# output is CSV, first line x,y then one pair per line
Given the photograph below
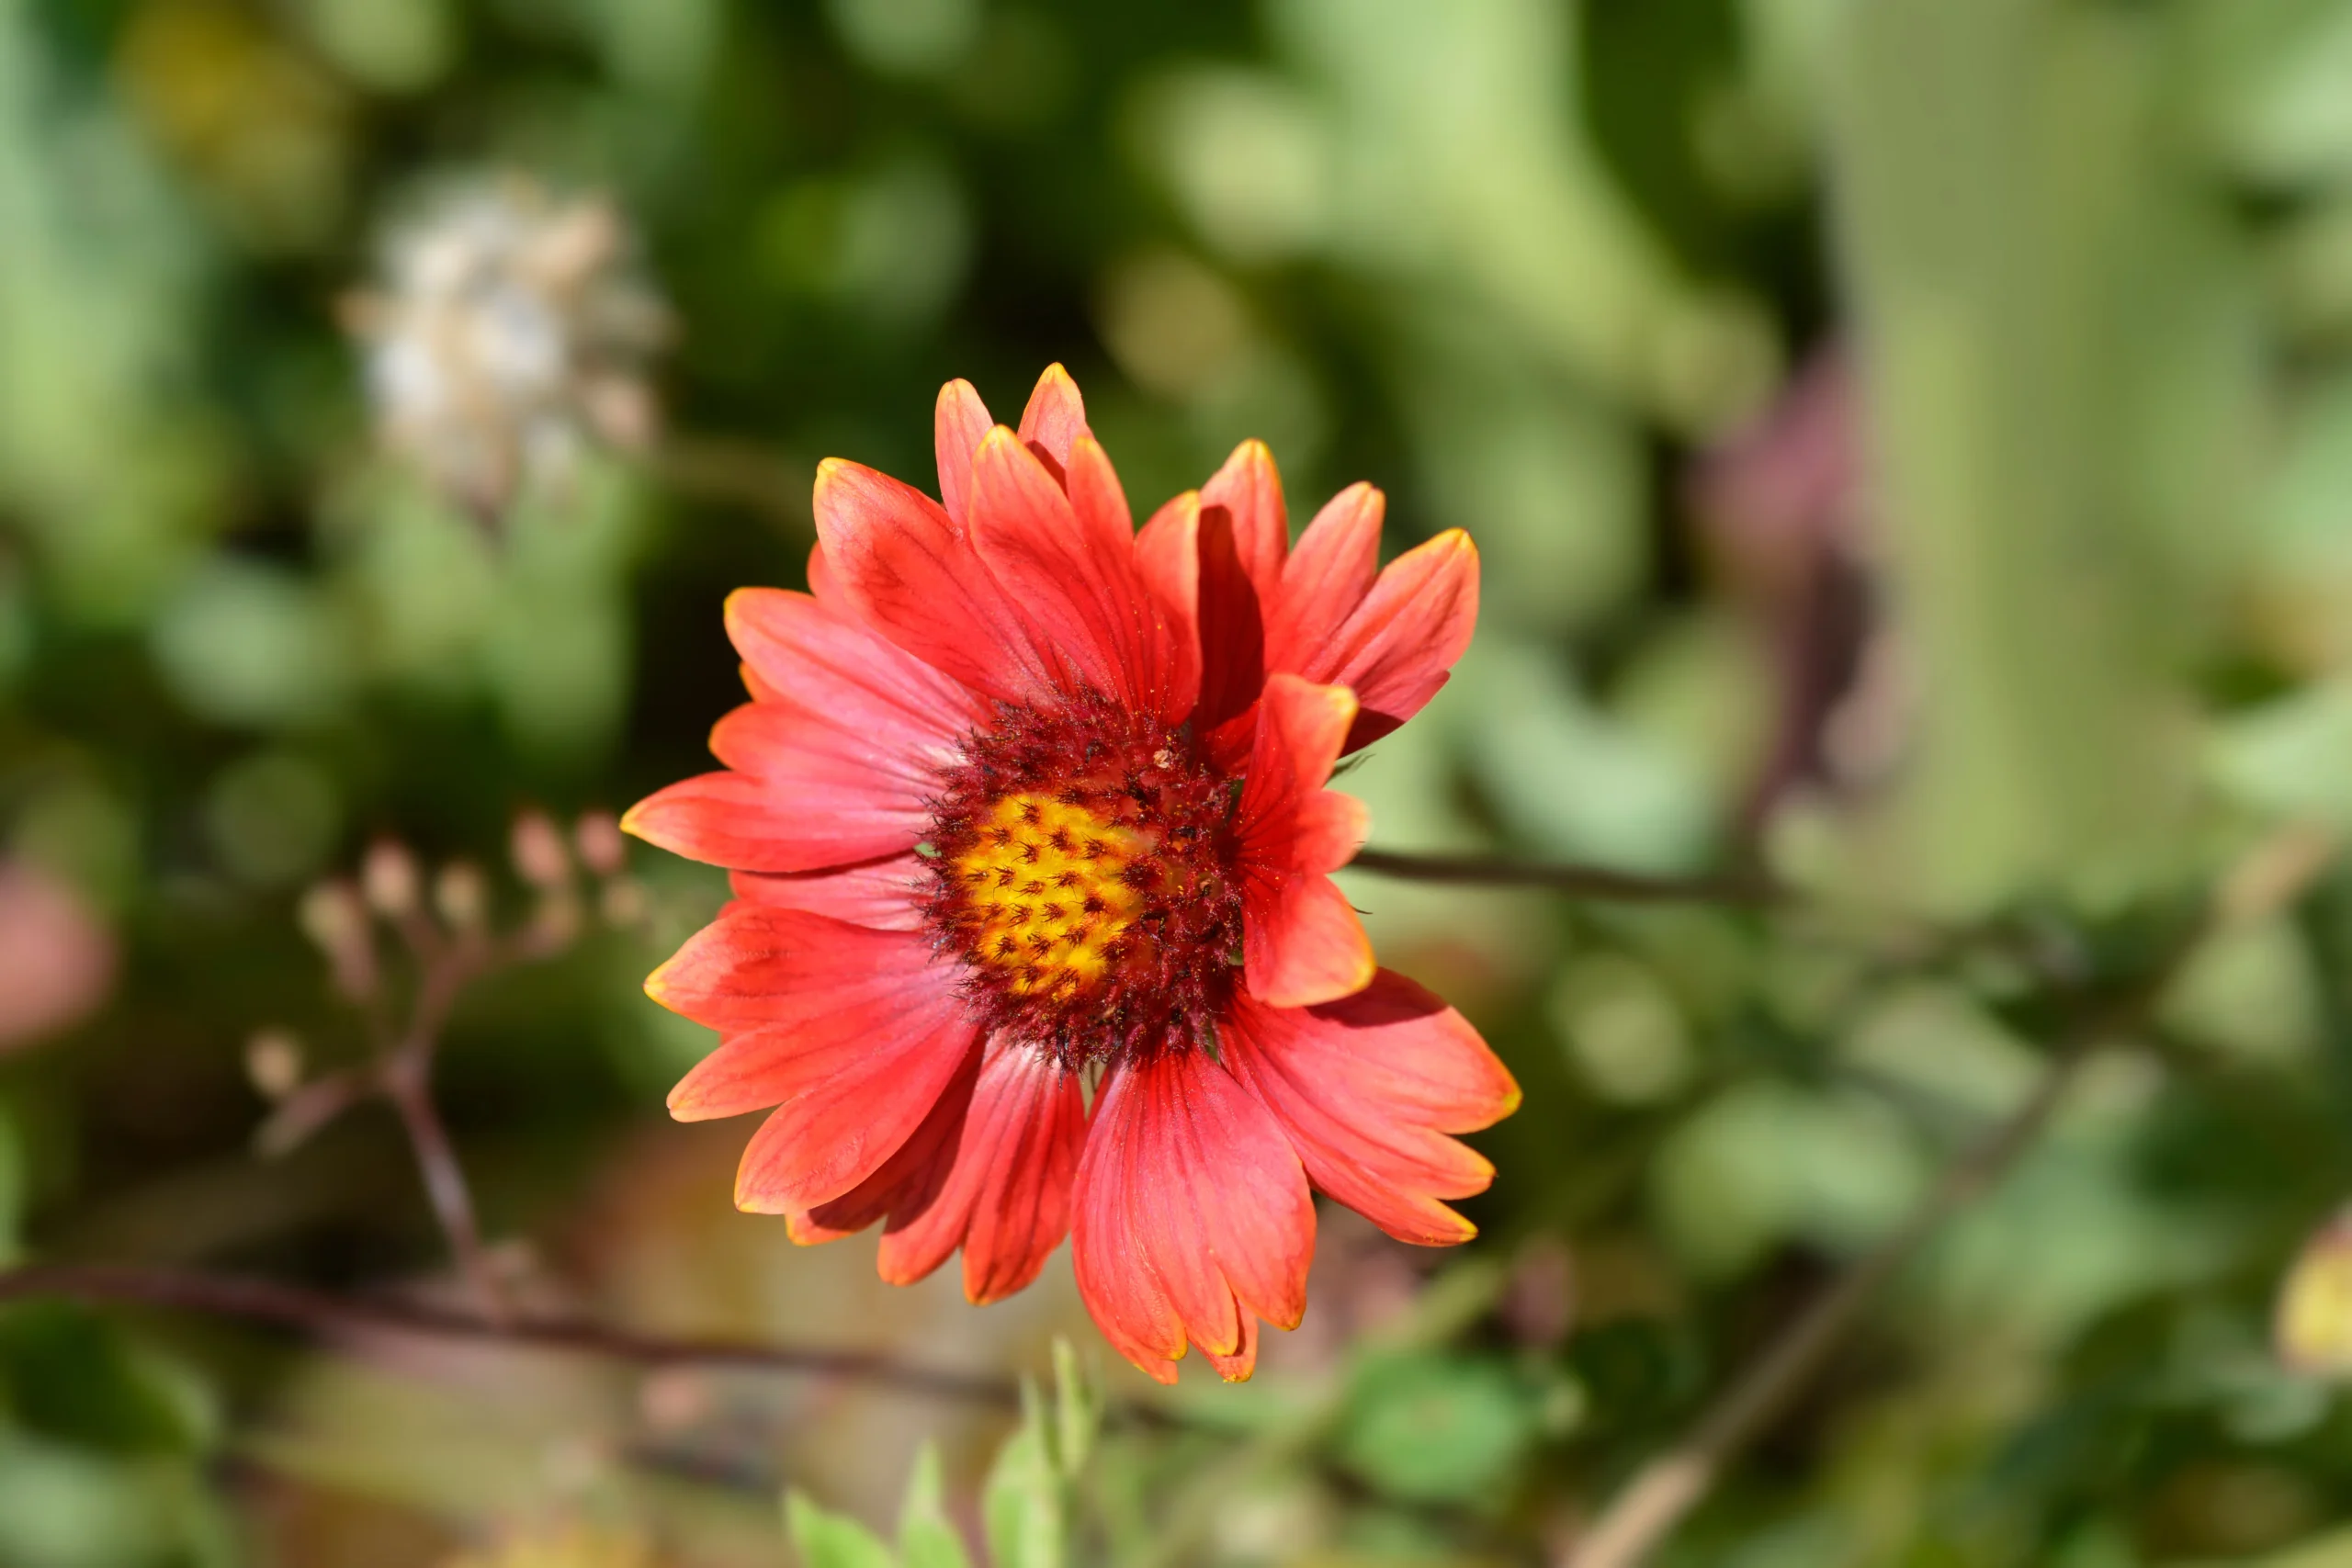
x,y
57,961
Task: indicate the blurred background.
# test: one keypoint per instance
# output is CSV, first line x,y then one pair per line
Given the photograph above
x,y
1910,444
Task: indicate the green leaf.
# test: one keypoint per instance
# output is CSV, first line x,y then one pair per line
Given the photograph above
x,y
825,1539
1023,1503
2291,756
926,1539
62,1507
1437,1427
77,1379
2271,84
245,643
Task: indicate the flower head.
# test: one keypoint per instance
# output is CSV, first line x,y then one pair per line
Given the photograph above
x,y
1028,803
508,331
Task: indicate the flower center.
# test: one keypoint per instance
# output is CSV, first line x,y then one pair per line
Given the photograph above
x,y
1082,858
1046,899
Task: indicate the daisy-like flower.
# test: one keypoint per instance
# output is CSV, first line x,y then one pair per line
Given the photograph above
x,y
1034,933
508,333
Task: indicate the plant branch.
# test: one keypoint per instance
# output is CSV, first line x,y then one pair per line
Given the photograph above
x,y
407,1083
1665,1489
322,1314
1582,881
401,1075
407,1080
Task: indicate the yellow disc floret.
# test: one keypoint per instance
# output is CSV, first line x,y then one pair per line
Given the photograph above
x,y
1050,893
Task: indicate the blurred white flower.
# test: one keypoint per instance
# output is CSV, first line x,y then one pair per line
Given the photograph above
x,y
509,330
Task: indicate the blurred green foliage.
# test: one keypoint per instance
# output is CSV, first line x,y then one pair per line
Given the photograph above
x,y
1027,1504
1910,444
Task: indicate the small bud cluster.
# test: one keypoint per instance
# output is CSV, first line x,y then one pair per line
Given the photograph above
x,y
445,916
334,917
508,331
569,874
274,1062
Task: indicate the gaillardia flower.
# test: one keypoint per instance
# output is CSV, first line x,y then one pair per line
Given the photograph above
x,y
1033,933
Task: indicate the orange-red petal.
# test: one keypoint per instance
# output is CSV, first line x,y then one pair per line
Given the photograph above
x,y
1251,491
1243,1362
1367,1089
821,585
1098,498
1192,1215
1077,593
957,429
852,1035
854,1100
1168,557
1230,615
759,964
910,574
1327,576
811,655
886,894
990,1170
1397,648
1055,420
1307,944
1004,1194
906,1183
1301,941
836,812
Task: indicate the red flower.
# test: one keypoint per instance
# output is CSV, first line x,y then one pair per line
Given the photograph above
x,y
1026,801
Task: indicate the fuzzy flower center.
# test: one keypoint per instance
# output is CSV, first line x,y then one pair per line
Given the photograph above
x,y
1047,893
1082,865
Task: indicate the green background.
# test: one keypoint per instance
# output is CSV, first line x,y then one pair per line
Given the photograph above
x,y
1910,447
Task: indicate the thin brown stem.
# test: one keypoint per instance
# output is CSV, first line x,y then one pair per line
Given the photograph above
x,y
425,942
404,1078
1665,1489
322,1314
1582,881
302,1114
402,1075
407,1083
